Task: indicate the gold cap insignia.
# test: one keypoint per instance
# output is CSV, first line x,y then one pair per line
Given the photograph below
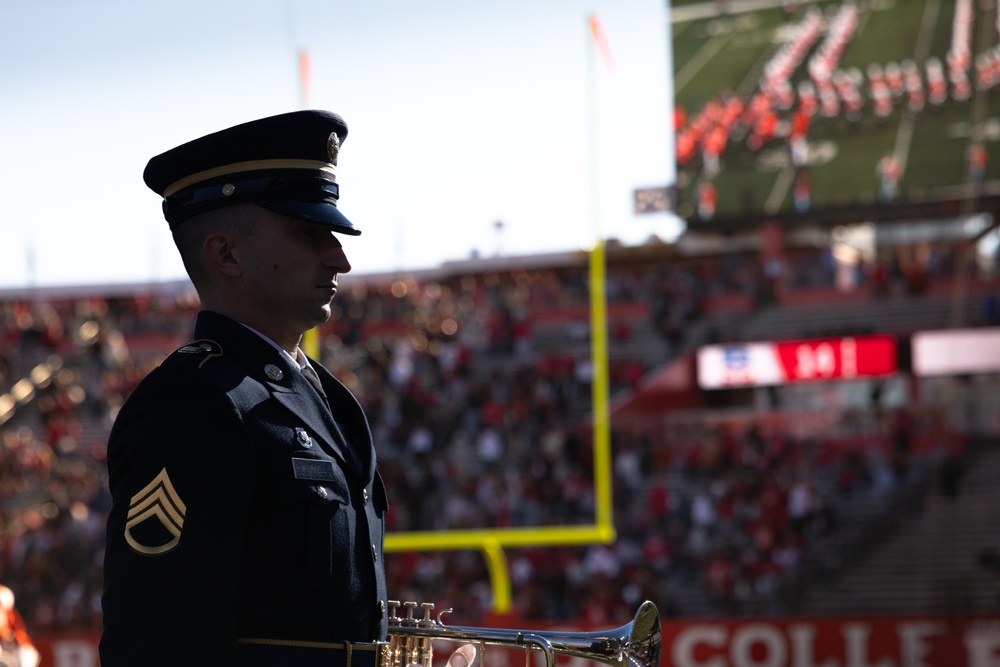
x,y
157,502
333,147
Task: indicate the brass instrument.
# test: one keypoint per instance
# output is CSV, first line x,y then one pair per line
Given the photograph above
x,y
635,644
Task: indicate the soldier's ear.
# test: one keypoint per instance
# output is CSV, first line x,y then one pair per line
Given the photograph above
x,y
219,250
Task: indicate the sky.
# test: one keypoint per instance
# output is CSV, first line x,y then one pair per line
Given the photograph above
x,y
461,114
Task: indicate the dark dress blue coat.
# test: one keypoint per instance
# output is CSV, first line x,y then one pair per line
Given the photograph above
x,y
242,508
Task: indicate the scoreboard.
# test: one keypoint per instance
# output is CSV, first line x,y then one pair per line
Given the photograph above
x,y
785,362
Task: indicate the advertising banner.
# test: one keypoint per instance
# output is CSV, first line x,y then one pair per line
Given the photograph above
x,y
885,641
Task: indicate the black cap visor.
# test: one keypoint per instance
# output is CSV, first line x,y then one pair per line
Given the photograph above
x,y
323,213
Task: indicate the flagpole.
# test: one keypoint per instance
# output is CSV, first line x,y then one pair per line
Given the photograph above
x,y
305,75
592,120
310,339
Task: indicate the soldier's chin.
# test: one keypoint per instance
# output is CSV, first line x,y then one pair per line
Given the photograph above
x,y
325,313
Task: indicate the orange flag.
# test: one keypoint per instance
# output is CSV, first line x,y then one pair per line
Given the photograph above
x,y
600,39
304,76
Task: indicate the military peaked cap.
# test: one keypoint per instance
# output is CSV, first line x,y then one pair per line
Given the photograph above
x,y
286,163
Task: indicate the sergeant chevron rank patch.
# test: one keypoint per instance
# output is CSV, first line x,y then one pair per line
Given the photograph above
x,y
155,517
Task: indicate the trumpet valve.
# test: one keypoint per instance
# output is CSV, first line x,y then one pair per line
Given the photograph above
x,y
428,608
393,610
413,649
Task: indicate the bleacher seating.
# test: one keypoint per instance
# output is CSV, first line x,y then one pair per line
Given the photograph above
x,y
477,388
933,561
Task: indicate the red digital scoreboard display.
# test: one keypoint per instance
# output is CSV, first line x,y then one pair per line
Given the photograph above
x,y
784,362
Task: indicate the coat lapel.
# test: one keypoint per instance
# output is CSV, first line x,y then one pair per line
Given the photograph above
x,y
350,417
290,388
300,398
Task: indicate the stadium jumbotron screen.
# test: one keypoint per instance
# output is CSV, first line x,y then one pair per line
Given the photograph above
x,y
792,108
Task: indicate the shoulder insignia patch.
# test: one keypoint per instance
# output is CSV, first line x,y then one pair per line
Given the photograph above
x,y
155,517
206,348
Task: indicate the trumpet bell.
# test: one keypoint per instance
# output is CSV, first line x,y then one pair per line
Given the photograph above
x,y
645,641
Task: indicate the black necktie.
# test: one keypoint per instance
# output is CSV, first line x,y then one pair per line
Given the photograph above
x,y
310,373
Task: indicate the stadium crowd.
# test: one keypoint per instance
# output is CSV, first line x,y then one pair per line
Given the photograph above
x,y
474,428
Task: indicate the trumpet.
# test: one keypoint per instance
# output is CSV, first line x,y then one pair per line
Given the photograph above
x,y
635,644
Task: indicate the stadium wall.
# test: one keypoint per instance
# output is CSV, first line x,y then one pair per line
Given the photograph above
x,y
884,641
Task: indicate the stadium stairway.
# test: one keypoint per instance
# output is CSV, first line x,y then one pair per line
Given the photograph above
x,y
930,564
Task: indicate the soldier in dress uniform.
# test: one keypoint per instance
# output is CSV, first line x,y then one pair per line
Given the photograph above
x,y
248,513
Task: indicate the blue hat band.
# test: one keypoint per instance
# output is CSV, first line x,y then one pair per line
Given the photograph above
x,y
313,189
